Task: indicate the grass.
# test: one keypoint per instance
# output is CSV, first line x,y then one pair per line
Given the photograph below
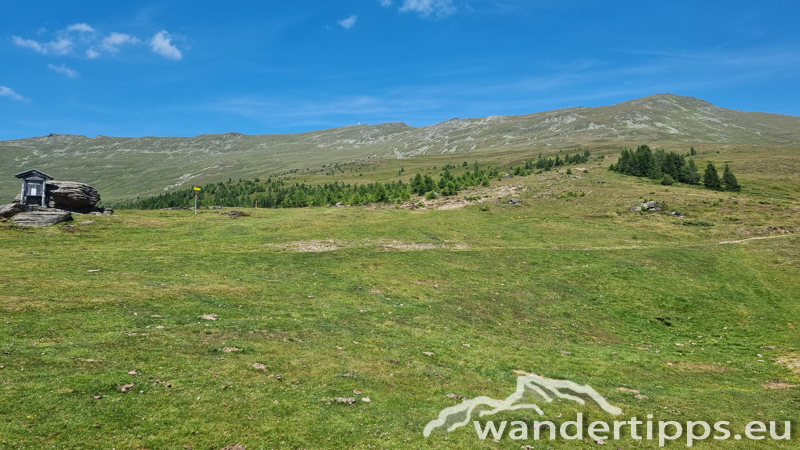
x,y
562,286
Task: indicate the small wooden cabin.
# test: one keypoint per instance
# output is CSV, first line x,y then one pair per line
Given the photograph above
x,y
34,184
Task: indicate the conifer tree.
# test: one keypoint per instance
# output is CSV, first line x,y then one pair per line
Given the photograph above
x,y
729,180
711,178
690,174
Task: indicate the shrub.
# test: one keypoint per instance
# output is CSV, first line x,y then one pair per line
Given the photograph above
x,y
667,180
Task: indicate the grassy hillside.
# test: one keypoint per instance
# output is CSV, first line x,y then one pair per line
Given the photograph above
x,y
697,313
124,168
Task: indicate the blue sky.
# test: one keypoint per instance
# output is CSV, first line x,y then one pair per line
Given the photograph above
x,y
183,68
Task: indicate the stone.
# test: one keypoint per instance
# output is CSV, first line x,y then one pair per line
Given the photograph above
x,y
648,206
236,213
71,195
108,211
41,218
10,210
216,207
513,201
506,175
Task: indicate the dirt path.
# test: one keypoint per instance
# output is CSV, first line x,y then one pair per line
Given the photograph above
x,y
756,238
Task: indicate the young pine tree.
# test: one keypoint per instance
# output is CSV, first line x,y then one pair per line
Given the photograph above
x,y
711,178
729,180
690,174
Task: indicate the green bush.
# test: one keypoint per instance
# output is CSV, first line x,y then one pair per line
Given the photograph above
x,y
667,180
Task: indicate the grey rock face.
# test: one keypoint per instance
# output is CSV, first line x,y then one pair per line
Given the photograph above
x,y
41,218
71,195
10,209
648,206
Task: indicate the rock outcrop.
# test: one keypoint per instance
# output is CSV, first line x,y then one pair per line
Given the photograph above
x,y
41,218
71,195
10,210
648,206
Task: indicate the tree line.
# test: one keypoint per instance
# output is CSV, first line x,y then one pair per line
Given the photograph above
x,y
279,193
283,194
671,167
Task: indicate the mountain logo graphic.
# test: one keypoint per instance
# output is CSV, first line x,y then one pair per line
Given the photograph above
x,y
528,386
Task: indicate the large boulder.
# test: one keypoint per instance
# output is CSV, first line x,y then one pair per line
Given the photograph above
x,y
71,195
10,209
41,218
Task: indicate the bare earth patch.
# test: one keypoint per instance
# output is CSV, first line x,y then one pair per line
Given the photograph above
x,y
482,195
329,245
792,362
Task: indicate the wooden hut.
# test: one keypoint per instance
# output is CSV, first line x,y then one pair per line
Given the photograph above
x,y
34,184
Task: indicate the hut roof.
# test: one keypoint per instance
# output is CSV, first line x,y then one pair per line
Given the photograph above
x,y
33,173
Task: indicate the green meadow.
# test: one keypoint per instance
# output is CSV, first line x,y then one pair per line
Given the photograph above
x,y
698,313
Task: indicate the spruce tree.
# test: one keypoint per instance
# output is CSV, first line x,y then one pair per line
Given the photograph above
x,y
692,151
729,180
711,178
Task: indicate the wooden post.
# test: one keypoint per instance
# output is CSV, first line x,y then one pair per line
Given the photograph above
x,y
44,189
195,202
22,194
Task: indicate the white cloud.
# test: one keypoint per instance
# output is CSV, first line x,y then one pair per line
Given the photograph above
x,y
82,27
28,43
8,92
83,39
162,44
386,2
60,47
426,8
348,23
63,69
113,41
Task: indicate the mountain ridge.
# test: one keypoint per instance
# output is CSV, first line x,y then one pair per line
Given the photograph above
x,y
131,166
